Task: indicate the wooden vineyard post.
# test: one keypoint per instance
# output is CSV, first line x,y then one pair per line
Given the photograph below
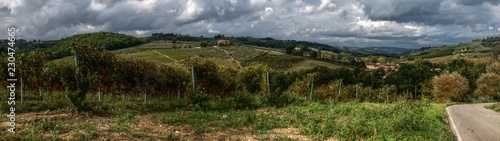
x,y
356,91
99,94
267,77
192,78
312,88
340,89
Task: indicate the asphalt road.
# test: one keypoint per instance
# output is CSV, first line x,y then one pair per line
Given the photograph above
x,y
473,122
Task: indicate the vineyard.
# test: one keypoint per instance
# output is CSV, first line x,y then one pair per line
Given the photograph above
x,y
155,45
279,62
167,44
208,52
243,53
227,63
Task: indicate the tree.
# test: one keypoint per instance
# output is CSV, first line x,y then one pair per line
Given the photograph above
x,y
494,67
450,86
313,54
488,85
289,50
381,59
33,69
249,78
402,58
297,52
174,40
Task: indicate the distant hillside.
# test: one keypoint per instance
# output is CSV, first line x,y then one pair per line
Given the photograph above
x,y
107,40
383,50
478,48
261,42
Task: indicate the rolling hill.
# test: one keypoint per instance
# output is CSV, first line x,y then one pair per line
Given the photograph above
x,y
478,50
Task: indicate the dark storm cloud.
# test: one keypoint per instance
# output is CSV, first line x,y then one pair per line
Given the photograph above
x,y
478,2
401,10
356,22
431,12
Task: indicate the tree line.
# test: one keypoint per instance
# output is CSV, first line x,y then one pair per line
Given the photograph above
x,y
103,71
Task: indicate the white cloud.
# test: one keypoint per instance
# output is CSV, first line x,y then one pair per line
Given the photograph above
x,y
336,22
212,31
192,9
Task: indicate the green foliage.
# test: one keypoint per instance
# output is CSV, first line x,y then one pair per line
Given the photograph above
x,y
32,69
211,79
410,75
494,107
78,97
450,86
176,78
280,100
490,41
239,100
488,85
106,40
364,121
47,125
124,117
468,70
249,78
289,50
313,54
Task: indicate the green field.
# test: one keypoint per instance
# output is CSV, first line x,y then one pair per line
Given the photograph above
x,y
175,53
309,64
150,56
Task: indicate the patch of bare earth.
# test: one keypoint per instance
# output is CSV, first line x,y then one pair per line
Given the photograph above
x,y
275,134
107,128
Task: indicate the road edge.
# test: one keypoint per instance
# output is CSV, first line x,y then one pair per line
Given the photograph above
x,y
454,129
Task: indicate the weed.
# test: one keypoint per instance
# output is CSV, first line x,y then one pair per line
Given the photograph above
x,y
126,117
172,137
494,107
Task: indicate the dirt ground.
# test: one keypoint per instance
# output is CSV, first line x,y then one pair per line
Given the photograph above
x,y
107,128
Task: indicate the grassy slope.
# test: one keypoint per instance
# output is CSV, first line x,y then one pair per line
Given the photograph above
x,y
449,58
308,64
132,119
149,55
473,51
175,53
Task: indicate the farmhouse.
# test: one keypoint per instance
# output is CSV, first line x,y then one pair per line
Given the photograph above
x,y
385,66
223,42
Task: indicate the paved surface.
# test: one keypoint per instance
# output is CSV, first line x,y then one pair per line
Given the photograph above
x,y
473,122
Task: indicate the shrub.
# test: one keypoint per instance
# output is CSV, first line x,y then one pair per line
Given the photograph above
x,y
494,107
450,86
488,85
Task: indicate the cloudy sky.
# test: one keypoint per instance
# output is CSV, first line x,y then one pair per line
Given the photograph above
x,y
400,23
